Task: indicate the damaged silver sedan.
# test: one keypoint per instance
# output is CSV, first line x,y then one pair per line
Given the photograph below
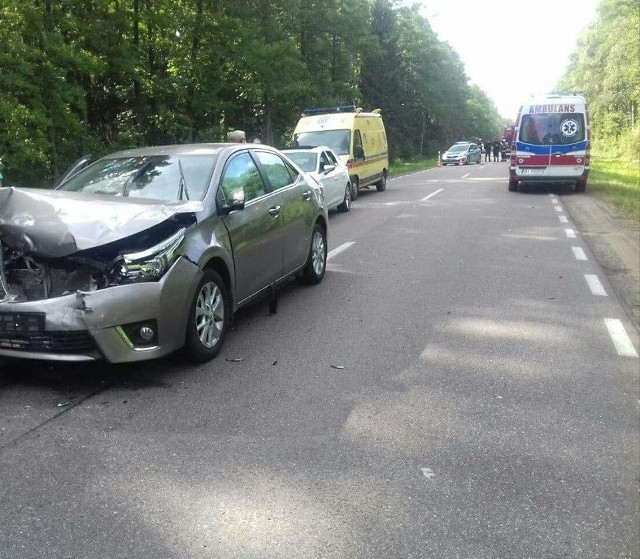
x,y
148,251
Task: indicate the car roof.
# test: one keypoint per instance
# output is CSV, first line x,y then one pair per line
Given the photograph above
x,y
185,149
317,149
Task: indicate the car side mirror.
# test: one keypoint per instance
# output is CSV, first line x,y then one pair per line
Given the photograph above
x,y
328,168
234,201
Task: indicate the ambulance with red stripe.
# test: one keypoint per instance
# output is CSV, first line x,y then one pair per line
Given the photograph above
x,y
551,143
358,138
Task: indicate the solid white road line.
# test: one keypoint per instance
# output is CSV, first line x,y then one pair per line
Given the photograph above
x,y
570,233
465,176
620,338
339,249
431,195
595,285
579,253
563,219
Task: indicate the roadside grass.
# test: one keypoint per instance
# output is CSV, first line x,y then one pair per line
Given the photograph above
x,y
405,166
618,183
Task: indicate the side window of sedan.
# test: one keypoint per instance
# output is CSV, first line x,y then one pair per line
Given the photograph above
x,y
241,172
275,168
331,158
324,160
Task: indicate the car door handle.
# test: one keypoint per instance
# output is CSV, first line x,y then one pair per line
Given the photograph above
x,y
306,195
558,153
275,211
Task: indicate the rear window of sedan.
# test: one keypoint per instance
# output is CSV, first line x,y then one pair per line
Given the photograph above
x,y
305,160
457,148
161,177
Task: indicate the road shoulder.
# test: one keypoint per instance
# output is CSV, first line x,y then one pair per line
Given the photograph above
x,y
615,243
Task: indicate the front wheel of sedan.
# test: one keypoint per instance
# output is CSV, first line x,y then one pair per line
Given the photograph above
x,y
209,318
346,203
317,260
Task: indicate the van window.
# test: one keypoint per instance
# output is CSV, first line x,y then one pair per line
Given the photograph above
x,y
337,140
358,150
552,128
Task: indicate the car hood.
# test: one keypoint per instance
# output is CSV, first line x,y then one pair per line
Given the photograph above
x,y
56,223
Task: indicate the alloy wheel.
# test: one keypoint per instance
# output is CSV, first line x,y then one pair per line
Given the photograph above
x,y
209,315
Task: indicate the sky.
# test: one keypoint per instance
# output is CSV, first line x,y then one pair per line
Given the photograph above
x,y
511,49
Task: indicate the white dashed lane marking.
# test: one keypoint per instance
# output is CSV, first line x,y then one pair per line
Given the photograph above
x,y
570,233
563,219
339,249
595,285
431,195
579,253
620,338
558,208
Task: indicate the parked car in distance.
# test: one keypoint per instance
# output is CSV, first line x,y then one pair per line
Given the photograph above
x,y
462,153
324,166
147,251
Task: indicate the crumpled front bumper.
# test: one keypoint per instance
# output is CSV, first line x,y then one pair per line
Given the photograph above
x,y
87,326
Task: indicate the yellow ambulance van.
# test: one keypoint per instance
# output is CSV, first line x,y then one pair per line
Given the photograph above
x,y
358,138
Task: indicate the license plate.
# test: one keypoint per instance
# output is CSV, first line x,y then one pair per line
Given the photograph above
x,y
532,171
21,322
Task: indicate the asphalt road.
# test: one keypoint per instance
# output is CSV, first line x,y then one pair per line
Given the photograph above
x,y
463,384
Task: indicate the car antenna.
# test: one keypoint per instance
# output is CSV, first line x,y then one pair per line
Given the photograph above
x,y
183,183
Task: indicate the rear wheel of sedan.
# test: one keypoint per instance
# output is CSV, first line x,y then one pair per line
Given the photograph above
x,y
317,260
346,203
208,318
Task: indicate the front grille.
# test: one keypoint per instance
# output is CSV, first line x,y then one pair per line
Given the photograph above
x,y
47,342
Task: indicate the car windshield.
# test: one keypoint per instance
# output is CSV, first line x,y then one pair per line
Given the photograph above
x,y
457,148
552,128
161,177
337,140
306,160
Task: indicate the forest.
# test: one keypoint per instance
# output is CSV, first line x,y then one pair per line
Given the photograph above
x,y
605,67
93,76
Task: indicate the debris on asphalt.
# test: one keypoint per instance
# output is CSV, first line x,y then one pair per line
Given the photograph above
x,y
63,404
275,362
337,367
235,359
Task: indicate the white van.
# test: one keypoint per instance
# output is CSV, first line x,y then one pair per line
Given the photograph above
x,y
551,143
358,138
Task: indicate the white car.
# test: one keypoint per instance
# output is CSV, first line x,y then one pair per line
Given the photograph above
x,y
325,167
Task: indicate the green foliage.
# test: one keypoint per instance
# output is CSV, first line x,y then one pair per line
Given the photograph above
x,y
94,76
605,67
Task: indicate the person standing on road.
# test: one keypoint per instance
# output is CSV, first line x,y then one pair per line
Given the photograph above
x,y
496,149
487,151
237,136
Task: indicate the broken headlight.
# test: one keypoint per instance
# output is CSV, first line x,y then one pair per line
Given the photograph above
x,y
151,264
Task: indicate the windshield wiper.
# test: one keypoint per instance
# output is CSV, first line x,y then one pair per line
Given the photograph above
x,y
182,188
134,177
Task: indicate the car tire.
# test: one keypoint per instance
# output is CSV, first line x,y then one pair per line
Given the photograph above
x,y
316,264
209,318
381,185
513,186
580,187
467,161
355,184
346,203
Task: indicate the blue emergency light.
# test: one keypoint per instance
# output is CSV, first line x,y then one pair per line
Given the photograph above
x,y
320,111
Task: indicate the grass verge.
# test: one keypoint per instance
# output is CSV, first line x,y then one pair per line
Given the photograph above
x,y
403,167
617,183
